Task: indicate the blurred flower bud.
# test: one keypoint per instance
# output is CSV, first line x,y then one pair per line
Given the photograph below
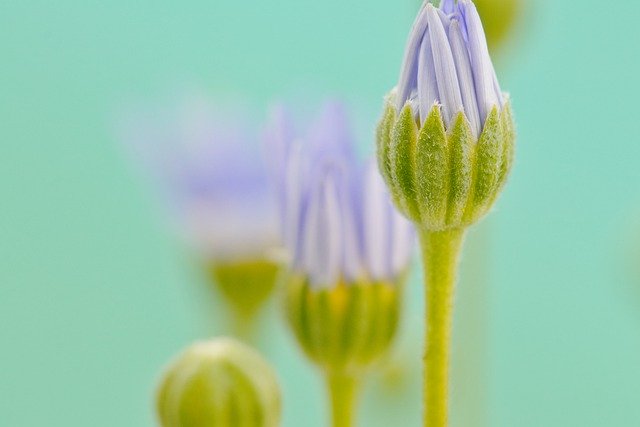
x,y
210,170
350,249
446,139
245,284
344,327
219,383
499,18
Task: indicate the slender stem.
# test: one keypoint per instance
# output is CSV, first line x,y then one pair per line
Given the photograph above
x,y
440,251
243,325
343,390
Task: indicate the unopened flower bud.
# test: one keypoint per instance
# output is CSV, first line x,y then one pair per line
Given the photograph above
x,y
446,139
345,327
350,249
219,383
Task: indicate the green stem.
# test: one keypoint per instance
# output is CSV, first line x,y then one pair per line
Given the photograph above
x,y
343,390
440,252
243,325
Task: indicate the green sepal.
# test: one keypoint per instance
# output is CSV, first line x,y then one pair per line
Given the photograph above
x,y
444,180
353,324
488,164
383,140
461,142
402,158
432,159
509,135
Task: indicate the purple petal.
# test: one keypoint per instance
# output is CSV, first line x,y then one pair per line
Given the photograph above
x,y
480,60
427,85
465,76
296,203
403,234
445,70
448,6
330,134
409,72
279,135
444,19
375,224
496,87
352,260
322,233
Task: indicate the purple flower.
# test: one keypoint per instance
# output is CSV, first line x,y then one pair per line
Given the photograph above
x,y
447,63
338,222
208,167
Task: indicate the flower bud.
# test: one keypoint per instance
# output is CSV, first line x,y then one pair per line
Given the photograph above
x,y
350,249
345,327
499,17
219,383
207,164
245,284
446,140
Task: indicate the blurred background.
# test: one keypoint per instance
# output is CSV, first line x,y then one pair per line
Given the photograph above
x,y
95,296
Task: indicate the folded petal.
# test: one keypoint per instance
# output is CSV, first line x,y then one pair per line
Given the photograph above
x,y
322,232
427,85
481,65
448,6
403,241
465,76
376,230
409,73
445,70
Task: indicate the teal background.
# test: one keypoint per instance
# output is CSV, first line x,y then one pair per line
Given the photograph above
x,y
95,297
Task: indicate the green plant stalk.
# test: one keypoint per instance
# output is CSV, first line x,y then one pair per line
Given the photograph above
x,y
343,390
440,252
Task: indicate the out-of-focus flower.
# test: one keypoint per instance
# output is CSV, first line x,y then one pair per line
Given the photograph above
x,y
499,18
350,251
445,143
219,383
209,168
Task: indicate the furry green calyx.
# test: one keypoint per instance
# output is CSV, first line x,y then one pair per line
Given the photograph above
x,y
443,179
219,383
344,328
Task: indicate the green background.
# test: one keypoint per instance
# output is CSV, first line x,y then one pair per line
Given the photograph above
x,y
95,297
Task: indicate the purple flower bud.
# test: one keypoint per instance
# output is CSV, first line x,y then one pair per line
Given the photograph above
x,y
206,164
338,219
447,63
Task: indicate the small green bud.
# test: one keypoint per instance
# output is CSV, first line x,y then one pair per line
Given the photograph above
x,y
441,178
346,327
219,383
245,284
